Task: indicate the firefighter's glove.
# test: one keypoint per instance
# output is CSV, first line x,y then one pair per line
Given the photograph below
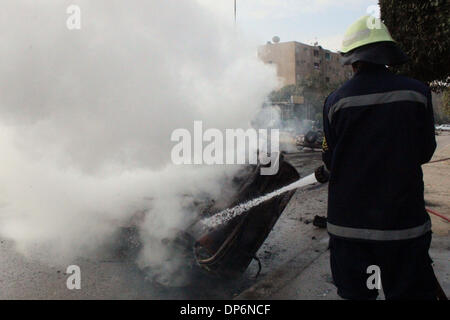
x,y
322,174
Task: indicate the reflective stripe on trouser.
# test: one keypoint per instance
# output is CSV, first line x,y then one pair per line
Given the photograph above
x,y
381,235
377,98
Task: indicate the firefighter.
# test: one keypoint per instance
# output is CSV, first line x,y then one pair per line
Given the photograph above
x,y
379,130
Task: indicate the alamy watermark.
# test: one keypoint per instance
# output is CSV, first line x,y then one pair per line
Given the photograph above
x,y
373,21
74,280
374,280
73,22
235,146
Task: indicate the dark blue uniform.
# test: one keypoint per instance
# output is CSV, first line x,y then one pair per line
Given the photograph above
x,y
379,130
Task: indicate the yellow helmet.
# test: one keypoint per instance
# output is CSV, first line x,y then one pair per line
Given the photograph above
x,y
365,30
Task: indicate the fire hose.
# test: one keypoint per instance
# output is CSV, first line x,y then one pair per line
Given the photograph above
x,y
439,160
437,214
431,211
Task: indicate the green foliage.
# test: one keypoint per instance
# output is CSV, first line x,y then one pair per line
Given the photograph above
x,y
285,93
314,89
446,102
422,30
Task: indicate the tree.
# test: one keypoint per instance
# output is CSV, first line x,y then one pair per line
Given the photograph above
x,y
285,93
314,88
446,102
422,30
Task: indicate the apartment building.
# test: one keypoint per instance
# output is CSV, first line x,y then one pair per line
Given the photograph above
x,y
296,60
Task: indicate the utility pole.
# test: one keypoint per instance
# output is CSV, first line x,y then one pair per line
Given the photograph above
x,y
235,12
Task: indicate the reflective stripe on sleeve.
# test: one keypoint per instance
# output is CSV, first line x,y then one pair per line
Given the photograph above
x,y
380,235
377,98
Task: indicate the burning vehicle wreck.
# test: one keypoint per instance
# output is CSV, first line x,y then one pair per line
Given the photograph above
x,y
226,249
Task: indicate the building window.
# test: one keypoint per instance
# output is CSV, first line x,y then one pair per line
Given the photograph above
x,y
316,65
327,79
316,53
327,56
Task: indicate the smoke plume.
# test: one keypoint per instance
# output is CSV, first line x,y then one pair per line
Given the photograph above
x,y
86,118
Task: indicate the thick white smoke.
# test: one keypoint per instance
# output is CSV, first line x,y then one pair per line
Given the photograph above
x,y
86,117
